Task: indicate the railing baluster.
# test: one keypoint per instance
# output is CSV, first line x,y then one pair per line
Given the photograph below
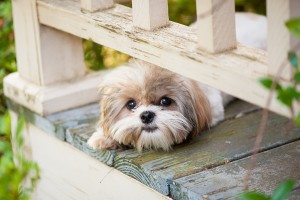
x,y
216,22
150,14
280,40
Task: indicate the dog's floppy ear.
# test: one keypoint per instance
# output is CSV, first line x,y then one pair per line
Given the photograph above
x,y
201,111
108,106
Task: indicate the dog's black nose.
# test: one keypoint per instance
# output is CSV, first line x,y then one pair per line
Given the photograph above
x,y
147,117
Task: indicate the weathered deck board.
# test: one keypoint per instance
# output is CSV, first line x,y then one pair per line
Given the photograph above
x,y
78,137
226,181
229,141
37,120
57,124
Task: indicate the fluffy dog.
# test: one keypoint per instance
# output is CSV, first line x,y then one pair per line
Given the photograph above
x,y
148,107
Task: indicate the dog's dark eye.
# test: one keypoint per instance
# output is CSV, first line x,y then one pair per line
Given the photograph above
x,y
131,104
165,101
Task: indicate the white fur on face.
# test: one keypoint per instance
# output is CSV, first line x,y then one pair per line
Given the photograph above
x,y
167,128
146,84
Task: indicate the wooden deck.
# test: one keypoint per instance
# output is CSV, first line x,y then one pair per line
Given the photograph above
x,y
211,166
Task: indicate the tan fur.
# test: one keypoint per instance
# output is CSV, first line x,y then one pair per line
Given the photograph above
x,y
189,112
202,111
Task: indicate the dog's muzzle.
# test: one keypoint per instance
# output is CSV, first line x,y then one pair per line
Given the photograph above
x,y
147,117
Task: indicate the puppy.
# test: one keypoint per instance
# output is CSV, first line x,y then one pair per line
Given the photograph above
x,y
148,107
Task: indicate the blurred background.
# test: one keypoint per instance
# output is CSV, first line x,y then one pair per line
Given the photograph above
x,y
97,57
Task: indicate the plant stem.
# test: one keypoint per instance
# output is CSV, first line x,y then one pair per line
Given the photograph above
x,y
262,128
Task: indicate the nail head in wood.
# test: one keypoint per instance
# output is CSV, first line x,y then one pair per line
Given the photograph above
x,y
150,14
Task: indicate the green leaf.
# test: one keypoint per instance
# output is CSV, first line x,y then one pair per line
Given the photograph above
x,y
283,190
252,196
266,82
287,95
297,77
297,120
293,59
294,26
21,122
5,124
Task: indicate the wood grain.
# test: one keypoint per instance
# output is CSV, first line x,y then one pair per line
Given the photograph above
x,y
57,124
229,141
226,181
77,136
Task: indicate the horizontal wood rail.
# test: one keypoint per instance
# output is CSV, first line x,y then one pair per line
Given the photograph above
x,y
174,47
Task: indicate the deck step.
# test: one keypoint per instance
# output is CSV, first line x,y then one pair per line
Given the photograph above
x,y
190,170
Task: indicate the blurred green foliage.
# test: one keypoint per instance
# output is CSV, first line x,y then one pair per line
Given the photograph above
x,y
184,11
15,169
7,48
18,175
282,192
256,6
98,57
288,94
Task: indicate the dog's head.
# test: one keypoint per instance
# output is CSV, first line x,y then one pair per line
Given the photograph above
x,y
151,108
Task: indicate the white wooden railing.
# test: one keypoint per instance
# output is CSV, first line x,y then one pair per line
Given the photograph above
x,y
51,73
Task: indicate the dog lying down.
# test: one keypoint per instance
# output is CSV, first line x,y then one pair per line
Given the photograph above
x,y
148,107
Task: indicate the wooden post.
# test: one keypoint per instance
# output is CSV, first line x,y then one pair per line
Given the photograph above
x,y
280,41
44,55
150,14
51,73
216,22
95,5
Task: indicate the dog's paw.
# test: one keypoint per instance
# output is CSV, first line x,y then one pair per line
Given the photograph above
x,y
100,141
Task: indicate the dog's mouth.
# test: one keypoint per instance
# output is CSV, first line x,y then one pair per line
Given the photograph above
x,y
149,129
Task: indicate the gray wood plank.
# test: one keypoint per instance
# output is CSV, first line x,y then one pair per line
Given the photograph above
x,y
57,124
73,117
226,181
64,120
39,121
229,141
78,137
